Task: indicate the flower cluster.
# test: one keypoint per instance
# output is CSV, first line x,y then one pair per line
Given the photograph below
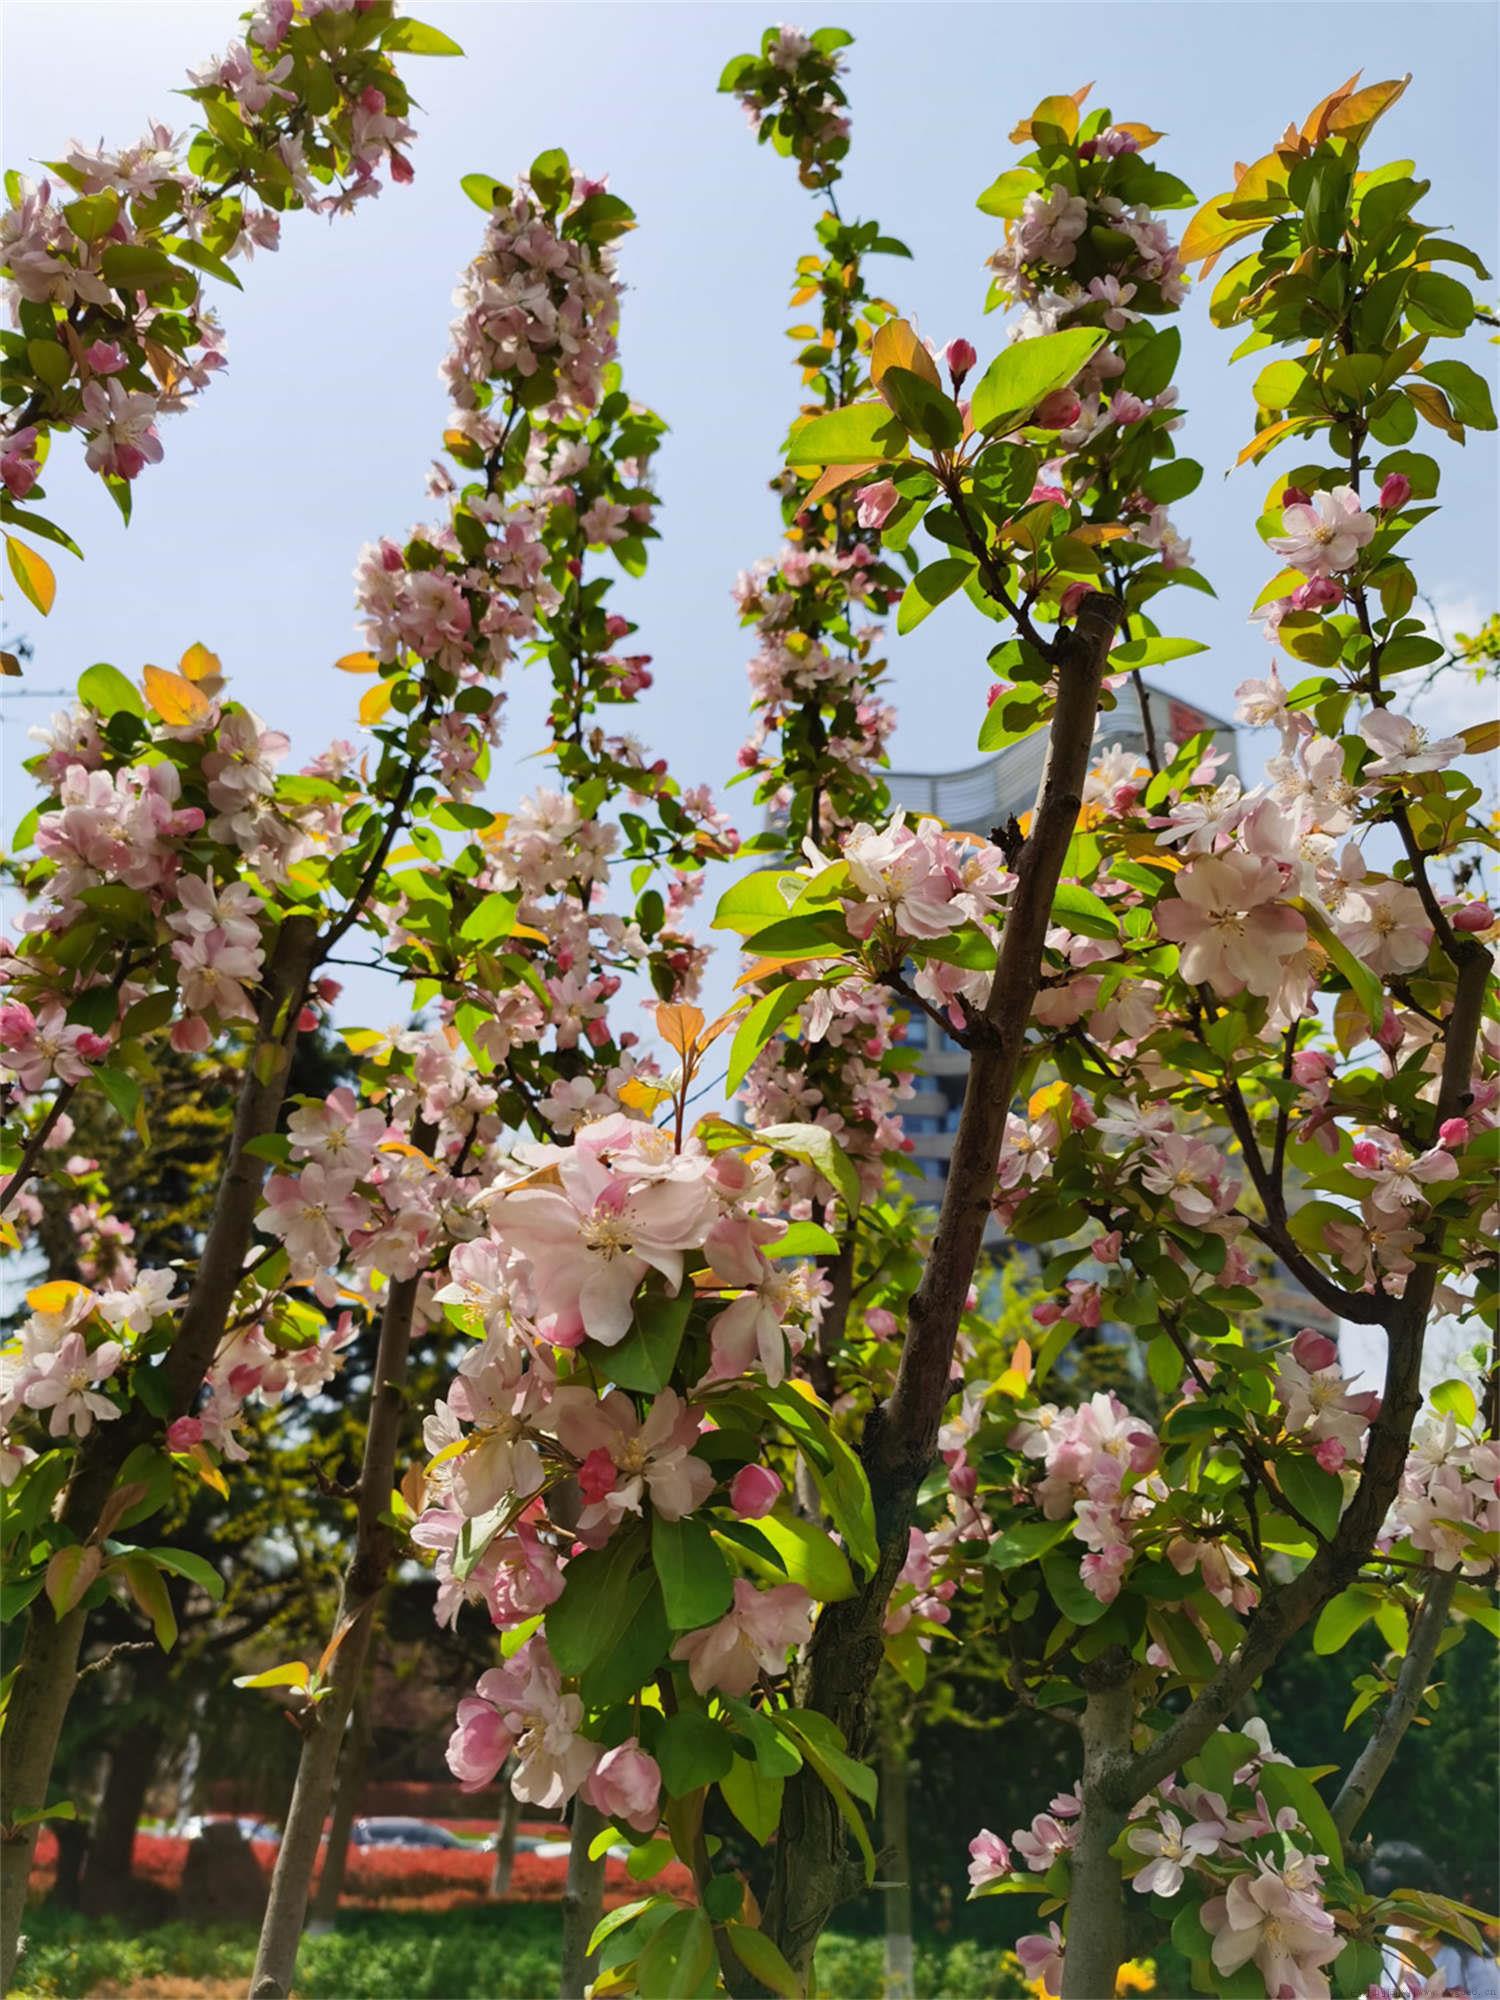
x,y
1094,1459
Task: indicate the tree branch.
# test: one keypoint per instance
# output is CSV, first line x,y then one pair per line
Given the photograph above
x,y
1372,1763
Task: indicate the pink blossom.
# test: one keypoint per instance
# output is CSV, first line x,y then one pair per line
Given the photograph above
x,y
1399,1175
876,503
1326,534
1172,1849
989,1859
1042,1958
64,1384
959,357
1473,917
754,1491
752,1638
1403,747
625,1784
313,1213
1395,491
1232,929
1284,1929
183,1433
629,1460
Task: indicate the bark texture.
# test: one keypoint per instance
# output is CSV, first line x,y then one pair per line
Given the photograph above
x,y
47,1669
1372,1763
812,1868
364,1580
1096,1904
583,1900
351,1779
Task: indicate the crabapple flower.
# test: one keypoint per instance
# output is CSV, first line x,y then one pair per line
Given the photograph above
x,y
1232,929
1399,1176
140,1304
754,1491
1042,1958
64,1383
1402,747
624,1461
625,1784
989,1859
1170,1848
1325,534
312,1214
1284,1929
875,504
753,1637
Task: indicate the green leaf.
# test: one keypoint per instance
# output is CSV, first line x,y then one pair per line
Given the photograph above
x,y
494,918
812,934
1069,1592
138,267
802,1553
147,1586
1017,379
616,1920
1026,1541
756,900
1366,984
682,1967
484,190
1153,652
753,1798
1436,303
644,1359
603,1591
692,1750
1455,1399
1342,1616
930,416
696,1584
93,215
1466,390
761,1958
105,689
803,1239
760,1024
818,1148
1283,1785
551,176
182,1562
1317,1495
1006,197
836,1470
928,588
861,434
415,38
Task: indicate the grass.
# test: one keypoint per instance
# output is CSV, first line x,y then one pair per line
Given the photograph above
x,y
503,1953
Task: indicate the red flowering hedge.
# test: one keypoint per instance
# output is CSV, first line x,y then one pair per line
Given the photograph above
x,y
394,1877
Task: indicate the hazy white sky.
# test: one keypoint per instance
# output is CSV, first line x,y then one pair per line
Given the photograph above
x,y
317,437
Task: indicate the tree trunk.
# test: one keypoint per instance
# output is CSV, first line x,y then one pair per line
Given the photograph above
x,y
505,1839
364,1580
812,1869
1096,1900
351,1779
46,1671
583,1899
106,1873
894,1777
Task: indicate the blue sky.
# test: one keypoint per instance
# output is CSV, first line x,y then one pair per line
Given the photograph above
x,y
317,437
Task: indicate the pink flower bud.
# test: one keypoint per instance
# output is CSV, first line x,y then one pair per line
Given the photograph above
x,y
1072,598
17,1024
1294,496
1390,1034
1473,917
1041,492
1313,1350
626,1784
1453,1133
615,626
962,1477
184,1434
1311,1067
1081,1113
1047,1313
874,504
104,357
754,1491
1319,593
1106,1249
959,357
1395,491
1330,1454
1366,1153
307,1020
1057,411
597,1475
880,1322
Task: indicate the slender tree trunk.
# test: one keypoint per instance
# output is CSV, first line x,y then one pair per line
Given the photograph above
x,y
46,1671
583,1899
812,1868
1372,1763
364,1580
1096,1903
894,1778
505,1839
351,1779
132,1762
